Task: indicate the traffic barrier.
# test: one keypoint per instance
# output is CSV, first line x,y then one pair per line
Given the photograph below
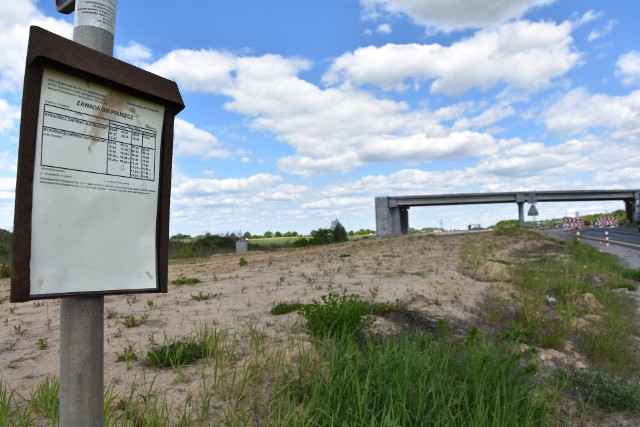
x,y
606,221
572,223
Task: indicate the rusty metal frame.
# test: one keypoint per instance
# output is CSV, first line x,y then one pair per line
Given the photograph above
x,y
50,50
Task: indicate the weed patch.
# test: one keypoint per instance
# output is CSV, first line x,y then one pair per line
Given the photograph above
x,y
339,314
185,281
607,392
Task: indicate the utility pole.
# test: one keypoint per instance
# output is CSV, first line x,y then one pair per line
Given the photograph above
x,y
82,318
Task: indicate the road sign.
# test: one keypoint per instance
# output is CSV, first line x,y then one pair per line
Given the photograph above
x,y
533,211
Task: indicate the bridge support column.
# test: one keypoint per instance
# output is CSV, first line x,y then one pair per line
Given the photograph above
x,y
404,220
388,219
520,199
629,209
521,214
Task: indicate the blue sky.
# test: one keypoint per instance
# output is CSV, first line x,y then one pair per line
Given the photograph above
x,y
300,112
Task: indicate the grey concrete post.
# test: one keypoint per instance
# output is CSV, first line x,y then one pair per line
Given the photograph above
x,y
82,319
520,199
629,207
383,217
404,220
242,246
81,361
521,214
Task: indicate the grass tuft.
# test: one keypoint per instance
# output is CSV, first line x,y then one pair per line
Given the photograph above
x,y
607,392
185,281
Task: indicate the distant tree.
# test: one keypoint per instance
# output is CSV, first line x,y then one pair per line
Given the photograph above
x,y
338,231
246,235
277,234
180,236
268,234
321,236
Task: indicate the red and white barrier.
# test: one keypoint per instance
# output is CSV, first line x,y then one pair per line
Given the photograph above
x,y
572,223
606,221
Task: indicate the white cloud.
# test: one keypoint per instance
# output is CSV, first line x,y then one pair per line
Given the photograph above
x,y
186,187
628,68
15,19
522,54
579,111
8,163
384,29
197,70
586,17
451,15
488,117
194,142
606,29
9,115
134,53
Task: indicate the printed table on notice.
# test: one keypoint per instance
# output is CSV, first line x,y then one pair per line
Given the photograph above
x,y
114,148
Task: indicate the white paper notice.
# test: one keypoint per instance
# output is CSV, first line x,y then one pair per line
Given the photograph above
x,y
95,189
96,13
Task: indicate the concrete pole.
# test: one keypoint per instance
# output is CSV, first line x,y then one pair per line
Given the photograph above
x,y
82,319
521,214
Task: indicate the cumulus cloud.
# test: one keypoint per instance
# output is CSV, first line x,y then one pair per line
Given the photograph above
x,y
451,15
521,54
9,115
193,187
194,142
134,53
580,111
15,19
196,70
628,68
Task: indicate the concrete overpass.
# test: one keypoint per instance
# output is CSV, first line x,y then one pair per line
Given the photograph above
x,y
392,213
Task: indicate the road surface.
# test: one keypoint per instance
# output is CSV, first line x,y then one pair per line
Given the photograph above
x,y
623,242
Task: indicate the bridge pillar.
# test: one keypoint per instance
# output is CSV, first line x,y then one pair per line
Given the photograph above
x,y
404,220
388,219
629,209
520,201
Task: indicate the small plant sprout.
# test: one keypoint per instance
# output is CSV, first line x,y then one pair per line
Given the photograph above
x,y
243,262
201,296
42,343
151,304
131,320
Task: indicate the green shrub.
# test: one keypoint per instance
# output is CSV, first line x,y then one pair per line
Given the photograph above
x,y
338,314
243,262
606,391
5,271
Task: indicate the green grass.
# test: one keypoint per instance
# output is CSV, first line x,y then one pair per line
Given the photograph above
x,y
607,392
185,281
286,308
413,380
131,320
566,273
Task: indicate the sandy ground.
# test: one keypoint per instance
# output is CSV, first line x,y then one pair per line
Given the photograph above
x,y
423,272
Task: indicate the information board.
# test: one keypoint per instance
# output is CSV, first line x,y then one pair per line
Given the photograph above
x,y
94,174
97,148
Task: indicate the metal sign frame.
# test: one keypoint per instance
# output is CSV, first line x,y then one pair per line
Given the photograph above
x,y
48,50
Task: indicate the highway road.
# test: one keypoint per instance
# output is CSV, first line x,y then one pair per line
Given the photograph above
x,y
623,242
625,237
